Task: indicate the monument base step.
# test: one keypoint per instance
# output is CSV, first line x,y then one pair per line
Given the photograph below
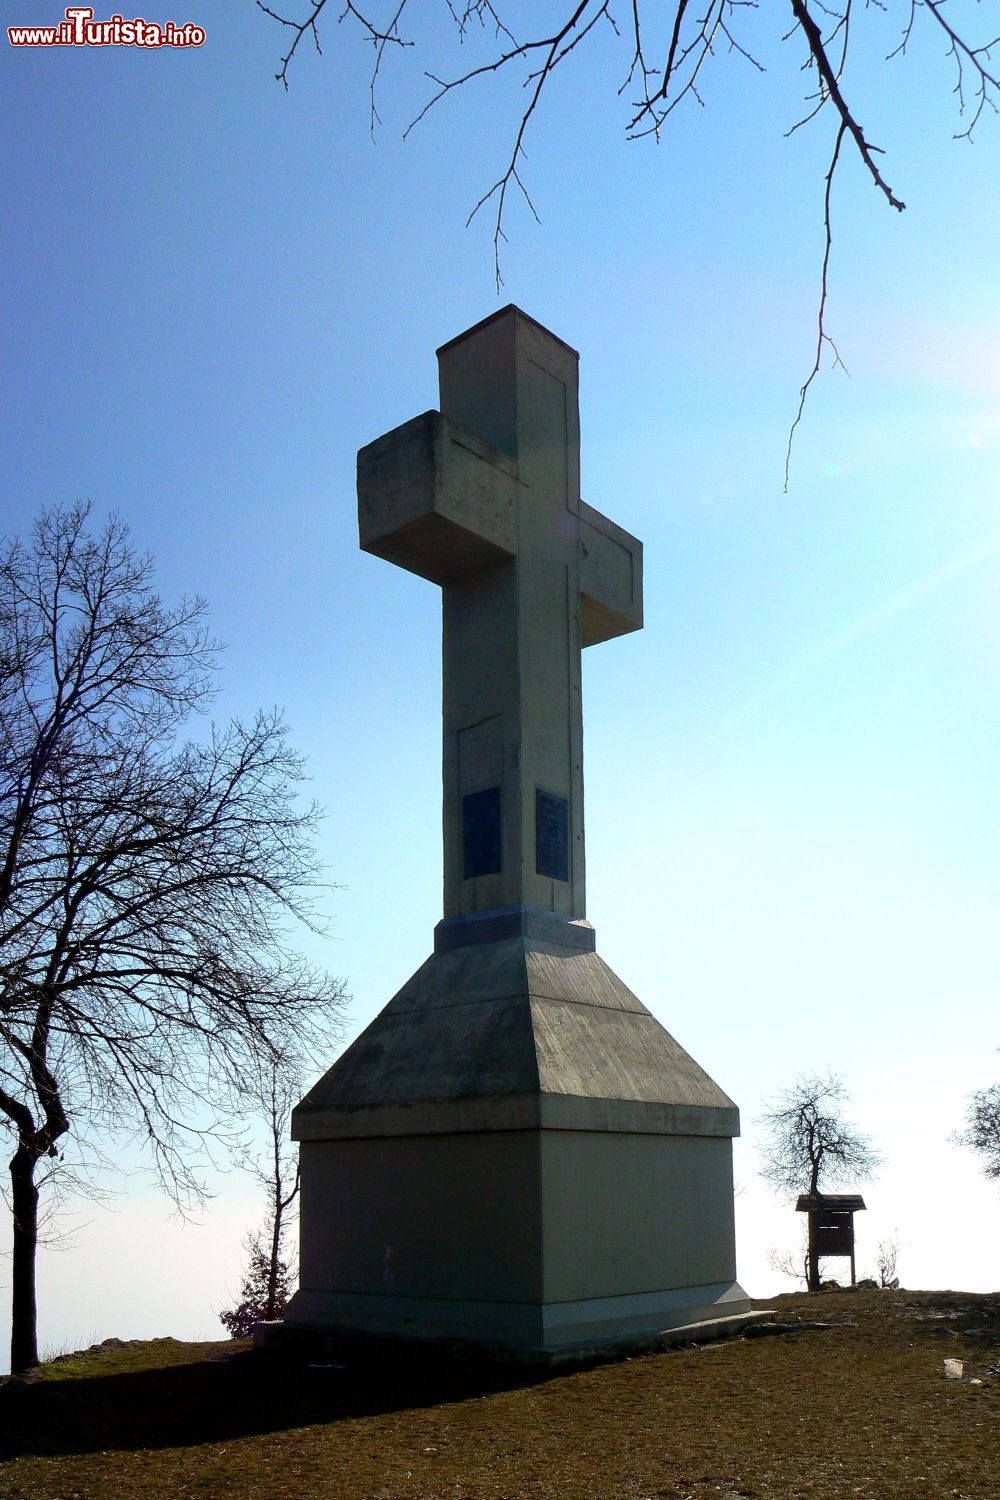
x,y
330,1345
331,1324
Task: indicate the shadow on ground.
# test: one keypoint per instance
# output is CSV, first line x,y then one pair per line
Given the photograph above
x,y
229,1396
165,1395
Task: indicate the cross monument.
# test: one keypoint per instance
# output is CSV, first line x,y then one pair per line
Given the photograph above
x,y
483,497
515,1153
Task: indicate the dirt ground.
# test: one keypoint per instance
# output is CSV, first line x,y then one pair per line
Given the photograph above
x,y
860,1407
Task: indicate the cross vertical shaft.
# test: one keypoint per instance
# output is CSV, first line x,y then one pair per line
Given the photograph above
x,y
511,638
483,497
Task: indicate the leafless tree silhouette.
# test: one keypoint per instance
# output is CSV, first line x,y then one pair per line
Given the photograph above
x,y
887,1261
982,1128
810,1144
276,1091
149,885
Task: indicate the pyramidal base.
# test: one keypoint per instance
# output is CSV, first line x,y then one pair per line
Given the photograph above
x,y
516,1156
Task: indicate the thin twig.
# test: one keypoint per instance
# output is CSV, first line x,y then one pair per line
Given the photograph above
x,y
822,337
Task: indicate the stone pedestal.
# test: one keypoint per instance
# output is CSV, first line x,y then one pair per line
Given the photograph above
x,y
516,1154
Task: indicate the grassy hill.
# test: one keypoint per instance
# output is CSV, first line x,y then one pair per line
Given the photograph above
x,y
858,1408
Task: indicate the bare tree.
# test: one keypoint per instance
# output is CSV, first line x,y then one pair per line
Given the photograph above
x,y
667,55
793,1263
268,1281
982,1128
887,1261
810,1144
149,886
277,1091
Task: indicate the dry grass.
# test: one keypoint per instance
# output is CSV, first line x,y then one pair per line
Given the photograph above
x,y
857,1409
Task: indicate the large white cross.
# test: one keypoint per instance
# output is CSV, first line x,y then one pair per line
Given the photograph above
x,y
483,497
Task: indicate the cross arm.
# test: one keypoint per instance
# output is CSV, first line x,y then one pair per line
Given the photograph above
x,y
437,500
610,578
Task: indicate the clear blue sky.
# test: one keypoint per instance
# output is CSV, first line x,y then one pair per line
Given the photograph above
x,y
215,293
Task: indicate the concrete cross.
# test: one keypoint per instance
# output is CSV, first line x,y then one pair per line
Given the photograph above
x,y
576,1161
483,497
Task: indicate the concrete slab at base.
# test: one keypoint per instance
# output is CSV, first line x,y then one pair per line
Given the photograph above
x,y
312,1342
530,1327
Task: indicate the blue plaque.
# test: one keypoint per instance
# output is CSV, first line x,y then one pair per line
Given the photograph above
x,y
481,833
551,835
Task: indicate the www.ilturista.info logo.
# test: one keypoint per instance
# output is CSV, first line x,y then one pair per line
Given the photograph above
x,y
81,30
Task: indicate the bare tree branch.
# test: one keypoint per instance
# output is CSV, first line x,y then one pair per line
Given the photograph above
x,y
689,39
822,337
309,27
965,54
830,86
